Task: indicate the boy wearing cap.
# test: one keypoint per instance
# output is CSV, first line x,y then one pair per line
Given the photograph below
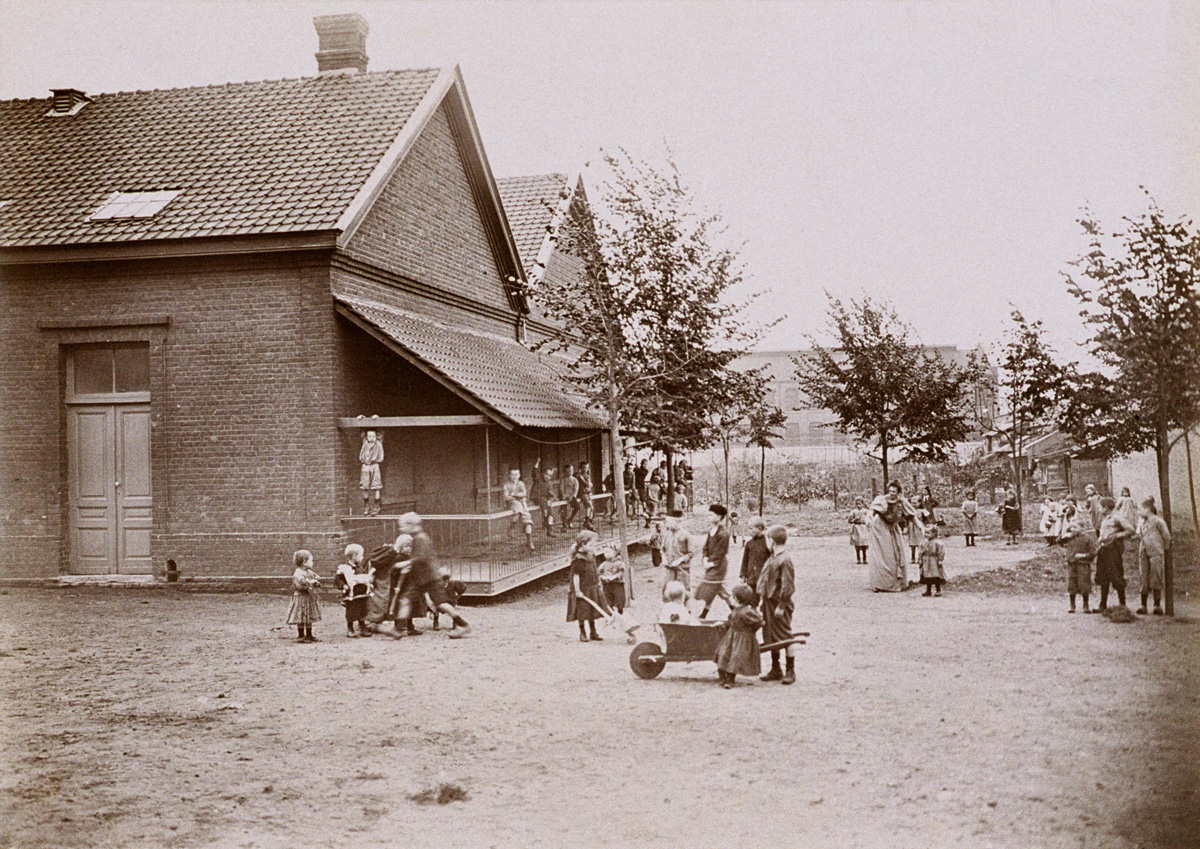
x,y
1081,551
754,554
776,587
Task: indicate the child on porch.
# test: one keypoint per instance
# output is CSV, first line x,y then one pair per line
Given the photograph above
x,y
737,653
370,480
305,609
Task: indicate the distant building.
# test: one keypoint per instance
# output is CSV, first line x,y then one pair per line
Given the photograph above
x,y
811,434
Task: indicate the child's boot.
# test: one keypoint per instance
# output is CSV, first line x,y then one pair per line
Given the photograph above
x,y
776,674
928,590
1072,608
1086,609
727,680
1142,610
789,677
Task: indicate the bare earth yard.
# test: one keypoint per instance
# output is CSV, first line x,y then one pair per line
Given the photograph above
x,y
160,718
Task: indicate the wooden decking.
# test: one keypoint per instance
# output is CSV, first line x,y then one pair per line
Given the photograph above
x,y
489,553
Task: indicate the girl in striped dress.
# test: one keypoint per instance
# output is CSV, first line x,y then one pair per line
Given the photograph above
x,y
305,609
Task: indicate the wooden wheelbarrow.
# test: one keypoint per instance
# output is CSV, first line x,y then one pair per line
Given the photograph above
x,y
687,643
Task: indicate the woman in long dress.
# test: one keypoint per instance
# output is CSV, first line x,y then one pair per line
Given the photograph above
x,y
890,513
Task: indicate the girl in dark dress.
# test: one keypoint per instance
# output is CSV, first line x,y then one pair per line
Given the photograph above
x,y
737,653
583,592
1010,518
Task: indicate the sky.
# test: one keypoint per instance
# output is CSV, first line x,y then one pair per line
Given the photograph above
x,y
933,154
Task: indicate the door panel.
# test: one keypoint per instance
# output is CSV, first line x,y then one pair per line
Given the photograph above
x,y
93,504
110,491
134,519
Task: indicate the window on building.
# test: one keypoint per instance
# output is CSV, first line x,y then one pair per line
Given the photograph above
x,y
119,368
133,205
791,398
792,432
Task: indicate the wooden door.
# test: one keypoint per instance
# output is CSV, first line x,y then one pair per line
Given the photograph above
x,y
109,492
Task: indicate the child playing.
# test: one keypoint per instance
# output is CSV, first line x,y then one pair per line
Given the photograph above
x,y
859,517
678,552
1049,520
657,543
1155,542
355,582
674,610
737,653
776,586
970,509
453,591
1110,570
933,559
584,598
754,554
305,609
1081,551
612,579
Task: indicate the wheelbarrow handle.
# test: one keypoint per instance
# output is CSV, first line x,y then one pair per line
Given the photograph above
x,y
781,644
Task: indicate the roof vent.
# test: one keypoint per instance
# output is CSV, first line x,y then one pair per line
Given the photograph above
x,y
342,43
67,101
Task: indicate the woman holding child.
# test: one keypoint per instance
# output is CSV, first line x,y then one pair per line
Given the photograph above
x,y
890,515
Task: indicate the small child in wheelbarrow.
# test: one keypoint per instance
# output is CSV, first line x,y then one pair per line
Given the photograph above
x,y
738,653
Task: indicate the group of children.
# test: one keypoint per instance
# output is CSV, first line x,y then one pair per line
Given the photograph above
x,y
1102,539
762,601
415,586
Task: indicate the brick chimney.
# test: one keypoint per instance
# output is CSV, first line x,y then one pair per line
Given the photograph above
x,y
342,43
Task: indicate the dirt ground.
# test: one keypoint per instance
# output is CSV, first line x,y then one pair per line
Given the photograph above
x,y
165,719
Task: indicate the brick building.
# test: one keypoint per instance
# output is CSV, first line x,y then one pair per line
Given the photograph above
x,y
205,288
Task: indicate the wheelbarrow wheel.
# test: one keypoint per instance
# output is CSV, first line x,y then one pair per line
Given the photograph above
x,y
647,660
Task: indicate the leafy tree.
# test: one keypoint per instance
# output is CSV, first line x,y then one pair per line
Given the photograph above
x,y
744,395
885,388
663,252
643,324
763,426
1138,292
1031,382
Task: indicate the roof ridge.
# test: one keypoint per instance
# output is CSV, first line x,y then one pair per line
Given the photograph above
x,y
234,83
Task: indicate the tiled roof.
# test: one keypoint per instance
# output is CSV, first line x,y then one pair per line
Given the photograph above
x,y
506,377
529,204
260,157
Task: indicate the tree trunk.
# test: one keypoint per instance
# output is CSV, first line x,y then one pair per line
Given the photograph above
x,y
762,477
1162,453
670,479
1187,446
883,452
725,449
618,473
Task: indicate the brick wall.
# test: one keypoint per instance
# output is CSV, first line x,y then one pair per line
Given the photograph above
x,y
244,440
425,225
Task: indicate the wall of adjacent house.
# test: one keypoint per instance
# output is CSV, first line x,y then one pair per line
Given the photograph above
x,y
243,440
1139,472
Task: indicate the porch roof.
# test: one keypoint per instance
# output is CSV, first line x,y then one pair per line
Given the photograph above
x,y
507,382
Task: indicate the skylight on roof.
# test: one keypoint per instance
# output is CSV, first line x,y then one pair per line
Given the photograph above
x,y
133,205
